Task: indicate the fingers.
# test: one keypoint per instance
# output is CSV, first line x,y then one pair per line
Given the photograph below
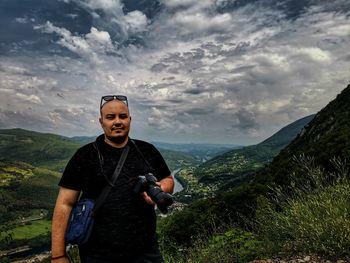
x,y
147,198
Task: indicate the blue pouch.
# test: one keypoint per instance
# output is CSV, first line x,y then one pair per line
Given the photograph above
x,y
80,222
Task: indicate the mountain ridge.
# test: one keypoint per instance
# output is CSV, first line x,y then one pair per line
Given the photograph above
x,y
53,151
325,137
239,165
39,149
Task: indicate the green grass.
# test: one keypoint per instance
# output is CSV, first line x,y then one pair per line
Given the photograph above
x,y
317,223
34,229
311,218
234,245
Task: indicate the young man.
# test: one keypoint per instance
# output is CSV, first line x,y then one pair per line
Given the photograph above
x,y
124,229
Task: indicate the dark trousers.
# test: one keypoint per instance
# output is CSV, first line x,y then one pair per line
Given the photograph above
x,y
151,255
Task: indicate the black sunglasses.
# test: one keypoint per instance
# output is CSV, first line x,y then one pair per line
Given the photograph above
x,y
107,98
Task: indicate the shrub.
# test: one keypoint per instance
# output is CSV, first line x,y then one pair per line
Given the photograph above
x,y
313,217
234,245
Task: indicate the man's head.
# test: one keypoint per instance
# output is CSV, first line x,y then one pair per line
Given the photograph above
x,y
115,119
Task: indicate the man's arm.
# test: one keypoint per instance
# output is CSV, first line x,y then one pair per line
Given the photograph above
x,y
166,184
64,203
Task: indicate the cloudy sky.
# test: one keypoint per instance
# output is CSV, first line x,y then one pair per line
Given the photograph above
x,y
210,71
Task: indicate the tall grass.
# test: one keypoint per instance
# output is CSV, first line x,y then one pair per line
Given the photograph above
x,y
233,245
309,217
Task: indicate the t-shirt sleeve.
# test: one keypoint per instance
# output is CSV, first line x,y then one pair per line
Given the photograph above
x,y
159,165
71,177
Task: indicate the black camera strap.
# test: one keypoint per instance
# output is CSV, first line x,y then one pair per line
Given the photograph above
x,y
141,155
111,182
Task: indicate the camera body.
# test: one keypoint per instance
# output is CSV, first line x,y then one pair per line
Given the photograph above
x,y
147,183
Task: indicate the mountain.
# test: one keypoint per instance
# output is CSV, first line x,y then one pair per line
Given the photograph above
x,y
325,137
202,151
175,159
285,135
239,165
83,139
53,151
38,149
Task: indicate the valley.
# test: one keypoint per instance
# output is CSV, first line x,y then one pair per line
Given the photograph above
x,y
220,195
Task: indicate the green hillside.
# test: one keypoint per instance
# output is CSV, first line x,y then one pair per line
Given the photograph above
x,y
326,136
175,159
14,172
25,187
27,198
298,205
82,140
39,149
239,165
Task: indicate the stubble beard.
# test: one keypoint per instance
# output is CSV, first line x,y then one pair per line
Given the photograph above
x,y
118,139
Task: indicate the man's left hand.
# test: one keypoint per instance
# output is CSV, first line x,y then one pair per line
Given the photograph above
x,y
149,199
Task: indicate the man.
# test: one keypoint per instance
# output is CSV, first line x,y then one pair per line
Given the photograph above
x,y
124,229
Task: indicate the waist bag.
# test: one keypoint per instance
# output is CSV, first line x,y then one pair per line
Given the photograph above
x,y
80,222
81,219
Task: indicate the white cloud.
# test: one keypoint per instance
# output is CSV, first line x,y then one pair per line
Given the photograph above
x,y
14,69
188,3
99,40
316,54
136,21
22,20
31,98
89,46
105,5
202,22
113,17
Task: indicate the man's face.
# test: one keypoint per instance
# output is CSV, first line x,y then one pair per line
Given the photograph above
x,y
115,121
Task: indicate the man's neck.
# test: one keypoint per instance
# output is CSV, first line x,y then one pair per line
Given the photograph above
x,y
115,144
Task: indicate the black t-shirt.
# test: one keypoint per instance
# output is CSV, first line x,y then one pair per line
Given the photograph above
x,y
125,224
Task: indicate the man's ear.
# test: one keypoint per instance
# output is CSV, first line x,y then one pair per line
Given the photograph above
x,y
100,120
130,118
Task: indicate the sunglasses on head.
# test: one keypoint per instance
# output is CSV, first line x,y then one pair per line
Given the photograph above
x,y
107,98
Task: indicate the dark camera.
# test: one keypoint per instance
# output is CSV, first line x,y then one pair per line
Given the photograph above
x,y
147,183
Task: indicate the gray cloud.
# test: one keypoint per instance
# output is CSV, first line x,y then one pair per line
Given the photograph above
x,y
24,119
198,111
246,120
159,67
193,71
194,91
